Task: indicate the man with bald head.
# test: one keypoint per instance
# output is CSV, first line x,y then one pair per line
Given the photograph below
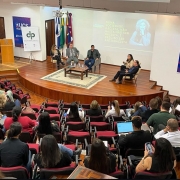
x,y
171,133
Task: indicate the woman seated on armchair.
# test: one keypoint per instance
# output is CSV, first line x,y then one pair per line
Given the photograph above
x,y
56,55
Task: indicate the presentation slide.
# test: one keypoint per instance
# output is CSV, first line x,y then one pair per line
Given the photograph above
x,y
118,33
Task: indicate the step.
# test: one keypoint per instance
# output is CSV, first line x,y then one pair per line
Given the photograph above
x,y
158,88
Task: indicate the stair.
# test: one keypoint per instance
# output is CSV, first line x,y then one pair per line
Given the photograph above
x,y
158,88
11,75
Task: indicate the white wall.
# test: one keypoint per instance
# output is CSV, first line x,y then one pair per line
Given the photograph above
x,y
166,54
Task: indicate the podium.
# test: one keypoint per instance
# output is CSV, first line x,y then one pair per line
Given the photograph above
x,y
6,51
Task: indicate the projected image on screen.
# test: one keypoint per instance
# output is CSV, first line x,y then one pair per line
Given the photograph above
x,y
141,36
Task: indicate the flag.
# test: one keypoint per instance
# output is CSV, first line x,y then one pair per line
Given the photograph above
x,y
57,32
178,69
62,35
69,34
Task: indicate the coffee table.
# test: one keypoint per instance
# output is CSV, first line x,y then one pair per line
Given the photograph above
x,y
80,71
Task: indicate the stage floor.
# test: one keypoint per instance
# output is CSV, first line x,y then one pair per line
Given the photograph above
x,y
30,77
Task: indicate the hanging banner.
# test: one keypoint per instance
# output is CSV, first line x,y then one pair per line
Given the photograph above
x,y
19,22
178,69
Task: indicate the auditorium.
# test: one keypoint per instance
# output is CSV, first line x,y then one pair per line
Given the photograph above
x,y
89,89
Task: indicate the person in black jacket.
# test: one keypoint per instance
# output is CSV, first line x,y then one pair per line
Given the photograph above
x,y
130,72
136,139
153,104
95,109
14,152
56,55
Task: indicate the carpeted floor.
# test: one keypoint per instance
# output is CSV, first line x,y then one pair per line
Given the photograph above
x,y
74,80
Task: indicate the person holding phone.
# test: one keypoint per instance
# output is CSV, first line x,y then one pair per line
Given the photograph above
x,y
162,159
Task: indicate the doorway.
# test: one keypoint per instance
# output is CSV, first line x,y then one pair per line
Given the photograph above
x,y
2,28
50,34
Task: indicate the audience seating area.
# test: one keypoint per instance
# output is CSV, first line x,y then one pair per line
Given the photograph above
x,y
74,133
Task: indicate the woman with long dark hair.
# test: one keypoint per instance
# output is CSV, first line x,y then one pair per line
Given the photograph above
x,y
51,156
14,152
162,160
26,122
98,159
74,112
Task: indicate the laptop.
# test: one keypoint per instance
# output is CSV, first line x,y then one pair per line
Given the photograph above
x,y
124,127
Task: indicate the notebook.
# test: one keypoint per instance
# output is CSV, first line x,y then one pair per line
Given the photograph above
x,y
124,127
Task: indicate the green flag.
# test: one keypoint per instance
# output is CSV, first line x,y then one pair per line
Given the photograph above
x,y
62,35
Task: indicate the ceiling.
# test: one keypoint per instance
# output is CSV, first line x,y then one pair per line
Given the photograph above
x,y
157,6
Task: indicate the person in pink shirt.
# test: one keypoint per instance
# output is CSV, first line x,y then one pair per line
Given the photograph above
x,y
26,123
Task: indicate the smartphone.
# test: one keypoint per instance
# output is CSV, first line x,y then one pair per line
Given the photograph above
x,y
149,148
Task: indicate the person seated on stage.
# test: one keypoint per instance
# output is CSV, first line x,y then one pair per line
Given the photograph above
x,y
26,122
100,159
153,108
136,139
74,112
127,65
114,110
56,55
51,156
95,109
162,160
130,72
72,54
171,133
92,56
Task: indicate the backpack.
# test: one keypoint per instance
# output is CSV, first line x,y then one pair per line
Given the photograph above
x,y
112,161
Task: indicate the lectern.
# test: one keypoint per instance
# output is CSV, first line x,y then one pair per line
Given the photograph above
x,y
6,50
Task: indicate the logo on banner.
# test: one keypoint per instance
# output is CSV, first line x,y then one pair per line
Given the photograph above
x,y
30,35
19,25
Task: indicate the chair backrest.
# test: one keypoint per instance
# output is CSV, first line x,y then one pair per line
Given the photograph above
x,y
135,152
18,172
117,119
136,75
148,175
102,127
58,136
96,118
30,115
85,106
25,137
50,110
47,173
76,126
73,119
123,106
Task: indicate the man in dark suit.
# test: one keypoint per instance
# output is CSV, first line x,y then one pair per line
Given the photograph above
x,y
128,72
92,56
136,139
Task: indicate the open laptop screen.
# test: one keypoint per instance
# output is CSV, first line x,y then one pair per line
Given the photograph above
x,y
124,127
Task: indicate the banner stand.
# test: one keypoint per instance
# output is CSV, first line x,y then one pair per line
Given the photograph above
x,y
31,57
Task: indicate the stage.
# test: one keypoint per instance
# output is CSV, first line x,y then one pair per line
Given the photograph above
x,y
30,77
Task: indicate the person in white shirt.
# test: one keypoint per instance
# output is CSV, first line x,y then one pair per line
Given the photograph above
x,y
171,133
114,110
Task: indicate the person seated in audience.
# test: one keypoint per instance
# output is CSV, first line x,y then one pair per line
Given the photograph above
x,y
159,120
127,65
174,105
51,156
153,105
14,152
162,160
95,109
114,110
159,102
100,160
48,127
136,139
129,72
56,55
26,122
3,99
72,54
170,132
92,56
139,108
74,112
